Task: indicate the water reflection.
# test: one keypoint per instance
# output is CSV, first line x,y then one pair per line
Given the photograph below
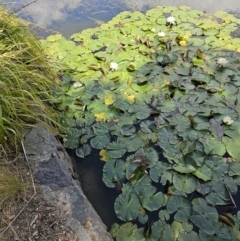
x,y
73,16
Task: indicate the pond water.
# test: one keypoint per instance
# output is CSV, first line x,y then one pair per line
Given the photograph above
x,y
73,16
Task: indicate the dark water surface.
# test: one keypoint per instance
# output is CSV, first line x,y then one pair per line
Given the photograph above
x,y
70,16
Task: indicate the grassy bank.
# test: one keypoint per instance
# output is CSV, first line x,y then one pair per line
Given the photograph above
x,y
26,81
27,84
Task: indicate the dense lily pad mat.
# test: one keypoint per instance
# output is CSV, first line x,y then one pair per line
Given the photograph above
x,y
166,79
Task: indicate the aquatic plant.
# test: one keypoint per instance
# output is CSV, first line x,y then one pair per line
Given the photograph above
x,y
177,93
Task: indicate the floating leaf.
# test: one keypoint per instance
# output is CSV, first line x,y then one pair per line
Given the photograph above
x,y
151,201
203,189
166,106
187,147
100,128
232,147
143,218
168,233
159,171
204,216
181,206
127,232
128,130
189,236
83,150
113,172
184,69
100,142
157,230
164,215
216,234
115,150
218,195
127,206
214,147
185,183
203,172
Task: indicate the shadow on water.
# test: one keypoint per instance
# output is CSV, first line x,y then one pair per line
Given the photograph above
x,y
100,196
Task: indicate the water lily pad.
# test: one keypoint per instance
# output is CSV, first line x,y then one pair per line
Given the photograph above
x,y
216,234
100,142
163,215
181,206
116,150
128,130
113,172
151,201
189,236
203,172
83,150
160,171
232,147
185,183
127,232
218,195
127,206
204,216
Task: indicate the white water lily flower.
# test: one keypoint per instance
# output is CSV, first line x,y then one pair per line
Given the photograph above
x,y
227,120
171,20
153,30
77,85
113,66
161,34
222,61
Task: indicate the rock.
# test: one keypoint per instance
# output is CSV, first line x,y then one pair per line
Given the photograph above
x,y
53,172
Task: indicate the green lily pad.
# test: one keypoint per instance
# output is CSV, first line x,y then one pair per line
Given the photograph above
x,y
181,206
127,206
189,236
232,147
151,201
203,172
185,183
99,142
216,234
116,150
160,171
204,216
127,232
83,150
218,195
113,172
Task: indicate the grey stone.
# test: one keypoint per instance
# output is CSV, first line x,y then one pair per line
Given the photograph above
x,y
50,173
53,170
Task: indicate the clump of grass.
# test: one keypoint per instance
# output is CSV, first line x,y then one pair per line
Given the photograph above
x,y
10,185
26,81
